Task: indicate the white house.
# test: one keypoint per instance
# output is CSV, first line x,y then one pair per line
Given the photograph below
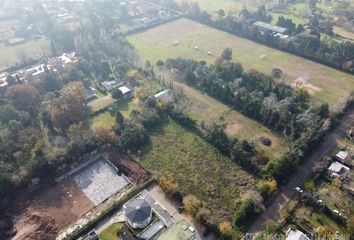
x,y
109,85
294,234
165,95
342,155
68,58
337,169
127,92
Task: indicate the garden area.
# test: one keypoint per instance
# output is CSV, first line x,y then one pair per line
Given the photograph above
x,y
112,232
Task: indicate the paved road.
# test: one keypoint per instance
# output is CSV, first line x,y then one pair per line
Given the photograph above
x,y
310,164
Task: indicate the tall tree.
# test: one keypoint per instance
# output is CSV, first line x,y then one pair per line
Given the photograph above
x,y
227,54
23,97
70,107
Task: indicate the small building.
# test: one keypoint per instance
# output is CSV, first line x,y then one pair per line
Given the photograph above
x,y
127,92
3,80
38,70
179,231
342,155
164,96
264,26
337,169
15,41
138,213
109,85
68,58
294,234
90,92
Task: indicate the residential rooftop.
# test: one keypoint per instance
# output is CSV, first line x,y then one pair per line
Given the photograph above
x,y
270,27
294,234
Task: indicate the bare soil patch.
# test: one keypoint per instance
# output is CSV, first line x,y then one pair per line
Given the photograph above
x,y
39,214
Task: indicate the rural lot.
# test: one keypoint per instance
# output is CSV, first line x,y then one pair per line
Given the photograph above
x,y
324,83
207,109
197,167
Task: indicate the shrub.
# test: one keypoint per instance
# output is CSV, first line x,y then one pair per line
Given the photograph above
x,y
168,184
191,204
225,228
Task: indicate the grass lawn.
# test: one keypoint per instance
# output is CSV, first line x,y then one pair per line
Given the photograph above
x,y
208,109
316,219
101,102
344,33
10,55
125,107
198,168
336,199
324,83
111,232
296,20
105,118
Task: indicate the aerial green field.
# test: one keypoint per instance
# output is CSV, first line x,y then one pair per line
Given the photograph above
x,y
197,167
101,102
325,84
10,55
105,118
208,109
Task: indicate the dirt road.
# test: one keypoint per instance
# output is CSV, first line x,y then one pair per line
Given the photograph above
x,y
310,164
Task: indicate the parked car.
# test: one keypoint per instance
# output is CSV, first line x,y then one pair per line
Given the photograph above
x,y
299,190
180,209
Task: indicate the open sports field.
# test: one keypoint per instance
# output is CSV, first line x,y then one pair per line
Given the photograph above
x,y
198,168
35,48
324,83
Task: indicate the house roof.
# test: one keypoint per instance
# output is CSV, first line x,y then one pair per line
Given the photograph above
x,y
338,169
138,210
163,93
294,234
270,27
124,89
342,155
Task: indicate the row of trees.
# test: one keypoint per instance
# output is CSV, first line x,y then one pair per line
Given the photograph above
x,y
255,94
309,45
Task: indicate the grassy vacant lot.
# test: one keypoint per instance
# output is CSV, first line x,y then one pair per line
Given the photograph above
x,y
125,107
207,109
111,232
101,102
10,55
324,83
105,118
344,33
197,167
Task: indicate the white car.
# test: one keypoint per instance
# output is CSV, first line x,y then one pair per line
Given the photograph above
x,y
299,190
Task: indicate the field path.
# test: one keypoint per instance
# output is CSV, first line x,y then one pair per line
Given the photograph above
x,y
310,164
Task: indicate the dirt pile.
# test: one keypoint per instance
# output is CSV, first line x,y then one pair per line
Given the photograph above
x,y
129,167
33,225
